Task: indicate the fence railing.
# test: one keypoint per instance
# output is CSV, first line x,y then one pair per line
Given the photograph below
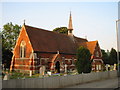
x,y
58,81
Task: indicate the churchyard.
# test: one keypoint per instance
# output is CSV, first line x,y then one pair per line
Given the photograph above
x,y
6,74
17,75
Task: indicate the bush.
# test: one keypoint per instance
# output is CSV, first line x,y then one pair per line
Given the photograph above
x,y
83,63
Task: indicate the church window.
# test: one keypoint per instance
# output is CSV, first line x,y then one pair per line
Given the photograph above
x,y
99,67
97,54
22,49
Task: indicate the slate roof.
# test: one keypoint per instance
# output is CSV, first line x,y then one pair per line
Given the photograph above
x,y
48,41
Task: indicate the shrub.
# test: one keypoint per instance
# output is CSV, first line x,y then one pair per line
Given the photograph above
x,y
83,63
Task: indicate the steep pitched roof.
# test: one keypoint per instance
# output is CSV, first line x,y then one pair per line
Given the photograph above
x,y
80,40
47,41
90,45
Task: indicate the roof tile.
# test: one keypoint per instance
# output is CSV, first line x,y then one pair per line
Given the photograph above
x,y
48,41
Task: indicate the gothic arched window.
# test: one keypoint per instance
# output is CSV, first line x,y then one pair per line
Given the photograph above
x,y
22,49
97,54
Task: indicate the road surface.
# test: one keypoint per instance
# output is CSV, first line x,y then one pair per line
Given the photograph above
x,y
0,83
107,83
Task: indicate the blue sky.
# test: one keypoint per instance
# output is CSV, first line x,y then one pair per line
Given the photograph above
x,y
96,20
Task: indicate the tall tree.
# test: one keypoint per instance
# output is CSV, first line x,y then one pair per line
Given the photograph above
x,y
63,30
105,57
83,63
10,34
6,57
113,57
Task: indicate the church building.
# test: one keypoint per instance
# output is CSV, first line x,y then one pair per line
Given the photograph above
x,y
36,47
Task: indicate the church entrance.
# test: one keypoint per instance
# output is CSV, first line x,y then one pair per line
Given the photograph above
x,y
57,67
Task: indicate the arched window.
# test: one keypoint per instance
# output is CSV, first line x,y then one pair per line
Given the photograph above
x,y
22,49
97,54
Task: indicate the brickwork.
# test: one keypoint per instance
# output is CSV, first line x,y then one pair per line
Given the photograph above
x,y
17,61
33,60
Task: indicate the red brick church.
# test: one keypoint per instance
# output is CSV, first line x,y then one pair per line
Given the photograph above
x,y
37,47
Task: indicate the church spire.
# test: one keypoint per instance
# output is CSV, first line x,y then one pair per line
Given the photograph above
x,y
70,27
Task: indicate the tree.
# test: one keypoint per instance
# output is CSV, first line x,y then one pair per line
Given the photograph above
x,y
63,30
105,57
83,63
113,57
6,57
10,34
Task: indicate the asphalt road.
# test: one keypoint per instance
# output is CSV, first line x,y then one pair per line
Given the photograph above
x,y
0,83
108,83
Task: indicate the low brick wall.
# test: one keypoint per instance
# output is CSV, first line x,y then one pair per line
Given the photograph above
x,y
58,81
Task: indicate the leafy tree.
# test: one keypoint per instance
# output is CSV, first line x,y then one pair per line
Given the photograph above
x,y
113,57
105,57
10,34
83,63
6,57
63,30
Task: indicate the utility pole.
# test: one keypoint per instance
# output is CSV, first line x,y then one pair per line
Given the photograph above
x,y
117,23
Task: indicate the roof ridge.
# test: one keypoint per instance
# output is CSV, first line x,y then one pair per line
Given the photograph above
x,y
93,41
80,38
48,41
46,30
53,32
33,27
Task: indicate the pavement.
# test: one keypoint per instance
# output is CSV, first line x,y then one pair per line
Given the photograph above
x,y
107,83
